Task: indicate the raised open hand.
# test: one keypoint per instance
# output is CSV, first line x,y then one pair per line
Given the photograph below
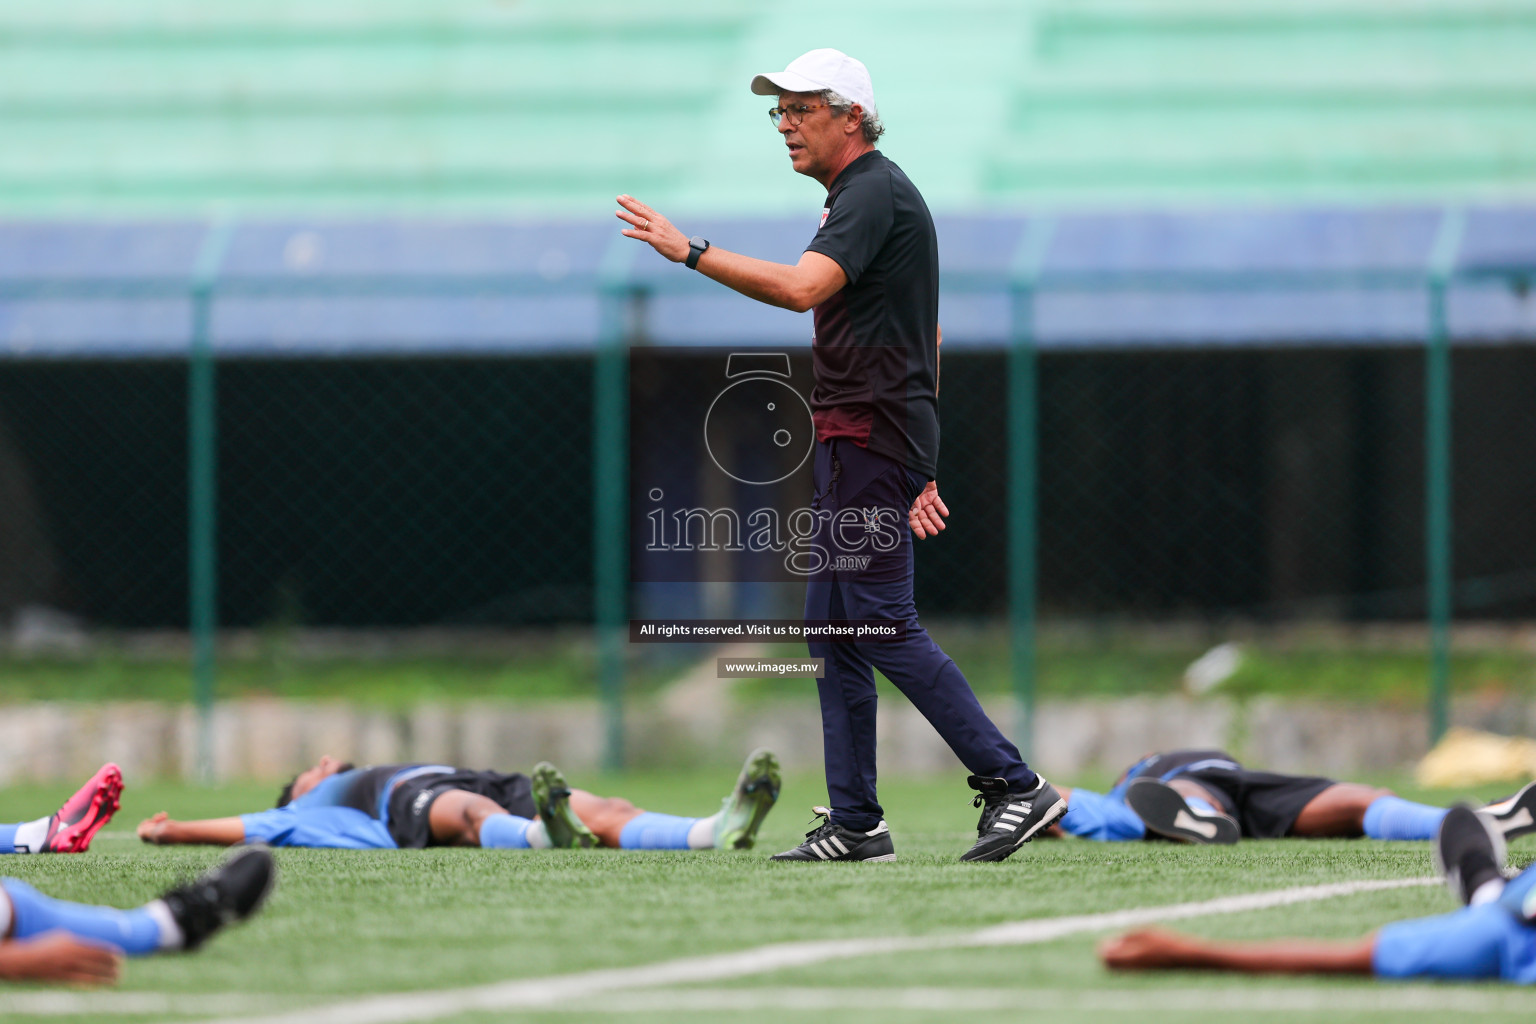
x,y
652,228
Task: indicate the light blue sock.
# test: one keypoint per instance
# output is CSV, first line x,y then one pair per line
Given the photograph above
x,y
1391,817
505,832
8,838
1196,804
135,932
1095,816
656,832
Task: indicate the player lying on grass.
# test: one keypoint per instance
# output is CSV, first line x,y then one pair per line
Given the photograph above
x,y
73,826
44,939
410,806
1493,936
1205,796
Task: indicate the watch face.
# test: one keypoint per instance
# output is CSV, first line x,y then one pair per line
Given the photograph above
x,y
759,430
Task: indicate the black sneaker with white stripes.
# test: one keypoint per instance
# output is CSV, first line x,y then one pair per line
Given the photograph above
x,y
1009,820
830,841
1515,816
1164,811
1469,852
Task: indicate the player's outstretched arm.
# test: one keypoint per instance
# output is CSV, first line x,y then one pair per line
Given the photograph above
x,y
1154,949
163,830
798,286
59,957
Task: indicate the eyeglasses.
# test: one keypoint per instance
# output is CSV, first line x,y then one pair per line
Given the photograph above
x,y
795,115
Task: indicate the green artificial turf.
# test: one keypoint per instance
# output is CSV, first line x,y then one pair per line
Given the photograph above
x,y
347,924
386,682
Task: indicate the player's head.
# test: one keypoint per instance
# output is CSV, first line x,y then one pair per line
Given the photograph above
x,y
826,106
311,777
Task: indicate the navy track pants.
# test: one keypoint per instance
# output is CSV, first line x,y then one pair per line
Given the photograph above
x,y
848,476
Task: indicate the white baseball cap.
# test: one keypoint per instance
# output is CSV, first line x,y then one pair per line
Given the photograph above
x,y
818,70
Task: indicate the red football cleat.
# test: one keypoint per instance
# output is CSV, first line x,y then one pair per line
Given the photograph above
x,y
83,815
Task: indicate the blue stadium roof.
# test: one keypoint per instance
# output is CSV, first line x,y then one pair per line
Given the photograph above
x,y
1327,276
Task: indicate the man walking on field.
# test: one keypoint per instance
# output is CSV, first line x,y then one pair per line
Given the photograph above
x,y
871,275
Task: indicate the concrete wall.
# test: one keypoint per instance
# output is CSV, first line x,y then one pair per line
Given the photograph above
x,y
271,739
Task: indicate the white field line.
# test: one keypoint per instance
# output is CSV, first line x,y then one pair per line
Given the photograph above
x,y
1386,998
109,1003
400,1007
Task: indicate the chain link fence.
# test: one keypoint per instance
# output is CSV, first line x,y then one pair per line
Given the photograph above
x,y
93,492
405,492
352,493
375,486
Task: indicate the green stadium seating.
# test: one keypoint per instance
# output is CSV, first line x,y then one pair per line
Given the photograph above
x,y
550,106
1254,100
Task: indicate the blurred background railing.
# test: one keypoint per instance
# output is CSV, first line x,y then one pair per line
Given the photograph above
x,y
313,334
1250,422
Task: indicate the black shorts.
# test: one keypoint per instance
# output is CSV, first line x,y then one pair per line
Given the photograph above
x,y
1265,804
410,804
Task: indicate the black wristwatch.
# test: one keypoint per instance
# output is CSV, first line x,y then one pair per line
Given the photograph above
x,y
696,247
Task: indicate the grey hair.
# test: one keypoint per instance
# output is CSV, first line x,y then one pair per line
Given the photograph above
x,y
840,104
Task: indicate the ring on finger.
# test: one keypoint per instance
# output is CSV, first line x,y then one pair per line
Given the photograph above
x,y
646,226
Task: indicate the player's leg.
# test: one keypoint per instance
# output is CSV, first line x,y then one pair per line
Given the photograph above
x,y
1345,809
73,826
917,666
1182,810
853,828
135,932
848,698
1352,809
619,823
846,689
1016,803
490,810
183,918
458,817
606,816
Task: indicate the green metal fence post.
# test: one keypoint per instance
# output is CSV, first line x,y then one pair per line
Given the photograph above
x,y
1437,471
1023,474
202,487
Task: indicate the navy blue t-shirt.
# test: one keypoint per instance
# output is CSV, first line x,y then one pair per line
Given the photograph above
x,y
876,349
